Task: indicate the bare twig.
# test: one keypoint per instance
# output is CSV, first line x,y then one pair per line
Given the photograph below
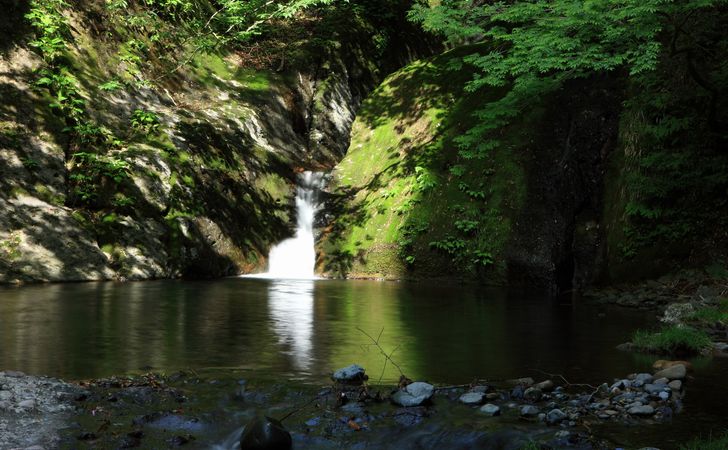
x,y
387,357
567,383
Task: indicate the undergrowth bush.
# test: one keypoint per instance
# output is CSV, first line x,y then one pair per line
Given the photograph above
x,y
672,340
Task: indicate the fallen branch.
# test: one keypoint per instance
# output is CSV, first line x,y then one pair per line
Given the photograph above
x,y
387,357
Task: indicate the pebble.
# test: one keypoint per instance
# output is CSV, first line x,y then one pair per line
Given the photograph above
x,y
27,404
532,394
555,416
472,398
529,411
644,410
675,385
490,409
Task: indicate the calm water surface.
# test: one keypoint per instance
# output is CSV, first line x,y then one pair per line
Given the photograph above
x,y
305,329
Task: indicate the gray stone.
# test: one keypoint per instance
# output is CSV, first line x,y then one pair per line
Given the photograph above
x,y
644,410
481,388
492,396
414,394
545,386
655,389
490,409
643,377
555,416
664,395
662,380
529,411
5,405
720,347
532,394
676,372
472,398
675,385
27,404
528,381
621,385
353,374
6,395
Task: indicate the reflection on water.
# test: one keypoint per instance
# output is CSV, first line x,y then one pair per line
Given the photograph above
x,y
290,303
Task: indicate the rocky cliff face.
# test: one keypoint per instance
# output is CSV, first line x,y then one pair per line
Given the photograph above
x,y
204,191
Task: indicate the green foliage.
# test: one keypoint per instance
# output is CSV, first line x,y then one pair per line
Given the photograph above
x,y
10,247
51,28
709,443
673,340
88,172
145,121
711,315
111,85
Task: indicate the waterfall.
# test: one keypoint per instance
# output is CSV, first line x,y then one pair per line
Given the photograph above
x,y
296,257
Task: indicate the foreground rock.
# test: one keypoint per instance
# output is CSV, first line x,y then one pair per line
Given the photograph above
x,y
414,394
33,409
352,375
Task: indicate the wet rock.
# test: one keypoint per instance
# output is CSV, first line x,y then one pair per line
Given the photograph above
x,y
532,394
655,389
664,395
555,416
664,364
490,409
265,434
643,410
472,398
720,347
482,388
492,396
621,385
662,380
529,411
352,375
545,386
27,404
6,395
414,394
527,381
675,385
675,372
517,392
410,416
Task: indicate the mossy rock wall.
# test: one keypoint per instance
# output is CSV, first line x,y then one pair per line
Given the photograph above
x,y
210,188
405,204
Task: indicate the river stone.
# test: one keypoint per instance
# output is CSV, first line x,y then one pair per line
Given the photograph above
x,y
528,381
664,395
529,411
265,434
655,389
490,409
532,394
6,395
27,404
661,381
481,388
414,394
555,416
353,374
675,385
545,386
472,398
644,410
676,372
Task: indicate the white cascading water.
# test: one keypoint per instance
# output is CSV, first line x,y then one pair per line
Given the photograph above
x,y
296,257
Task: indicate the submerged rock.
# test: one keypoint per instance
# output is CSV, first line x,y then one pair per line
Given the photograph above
x,y
265,434
353,374
555,416
414,394
490,409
